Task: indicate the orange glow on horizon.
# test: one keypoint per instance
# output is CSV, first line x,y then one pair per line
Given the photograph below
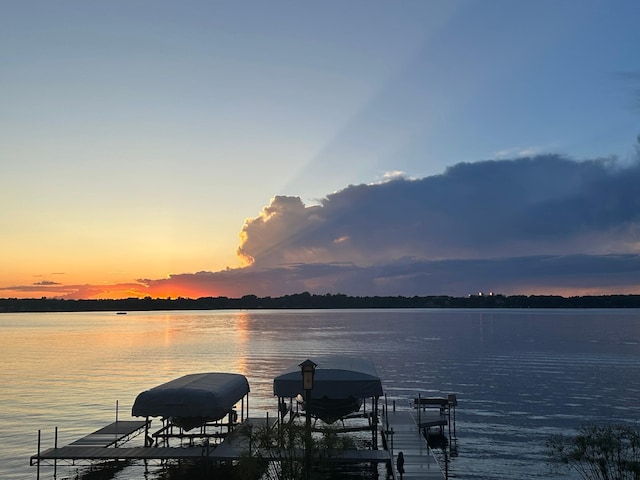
x,y
198,286
104,292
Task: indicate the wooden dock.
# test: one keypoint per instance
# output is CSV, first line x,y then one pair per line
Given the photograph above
x,y
419,461
103,445
402,432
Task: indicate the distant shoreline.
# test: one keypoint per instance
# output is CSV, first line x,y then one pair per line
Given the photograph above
x,y
309,301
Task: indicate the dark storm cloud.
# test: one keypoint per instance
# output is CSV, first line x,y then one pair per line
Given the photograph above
x,y
545,205
573,274
539,225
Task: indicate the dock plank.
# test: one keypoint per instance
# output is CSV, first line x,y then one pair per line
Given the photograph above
x,y
419,462
112,433
130,453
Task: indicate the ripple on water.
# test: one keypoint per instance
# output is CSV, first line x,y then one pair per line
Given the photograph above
x,y
519,376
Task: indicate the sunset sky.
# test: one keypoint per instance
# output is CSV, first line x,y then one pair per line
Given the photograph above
x,y
201,148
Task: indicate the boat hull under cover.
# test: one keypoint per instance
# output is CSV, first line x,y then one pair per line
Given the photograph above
x,y
330,410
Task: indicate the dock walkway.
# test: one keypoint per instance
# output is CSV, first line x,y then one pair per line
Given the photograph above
x,y
419,462
103,445
112,434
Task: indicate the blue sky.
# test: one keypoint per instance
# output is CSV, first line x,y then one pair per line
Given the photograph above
x,y
140,139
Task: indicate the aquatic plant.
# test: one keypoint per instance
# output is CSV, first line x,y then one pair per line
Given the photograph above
x,y
276,452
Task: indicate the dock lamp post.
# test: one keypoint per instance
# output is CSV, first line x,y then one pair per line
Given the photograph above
x,y
308,371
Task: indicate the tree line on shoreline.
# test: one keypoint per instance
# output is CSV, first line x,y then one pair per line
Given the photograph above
x,y
307,300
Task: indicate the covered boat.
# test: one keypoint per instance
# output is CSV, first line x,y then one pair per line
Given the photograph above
x,y
193,400
339,386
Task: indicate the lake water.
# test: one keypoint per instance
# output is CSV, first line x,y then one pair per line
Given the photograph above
x,y
519,375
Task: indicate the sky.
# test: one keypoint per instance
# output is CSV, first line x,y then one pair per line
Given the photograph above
x,y
227,148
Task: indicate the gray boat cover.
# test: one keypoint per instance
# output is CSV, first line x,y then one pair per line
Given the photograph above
x,y
205,395
336,377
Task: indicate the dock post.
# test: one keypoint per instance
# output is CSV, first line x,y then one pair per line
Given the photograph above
x,y
386,410
38,470
375,424
446,465
454,421
148,441
115,434
453,402
55,445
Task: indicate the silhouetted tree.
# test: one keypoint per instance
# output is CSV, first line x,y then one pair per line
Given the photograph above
x,y
599,452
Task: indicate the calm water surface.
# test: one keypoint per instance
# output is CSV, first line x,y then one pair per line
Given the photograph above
x,y
520,375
